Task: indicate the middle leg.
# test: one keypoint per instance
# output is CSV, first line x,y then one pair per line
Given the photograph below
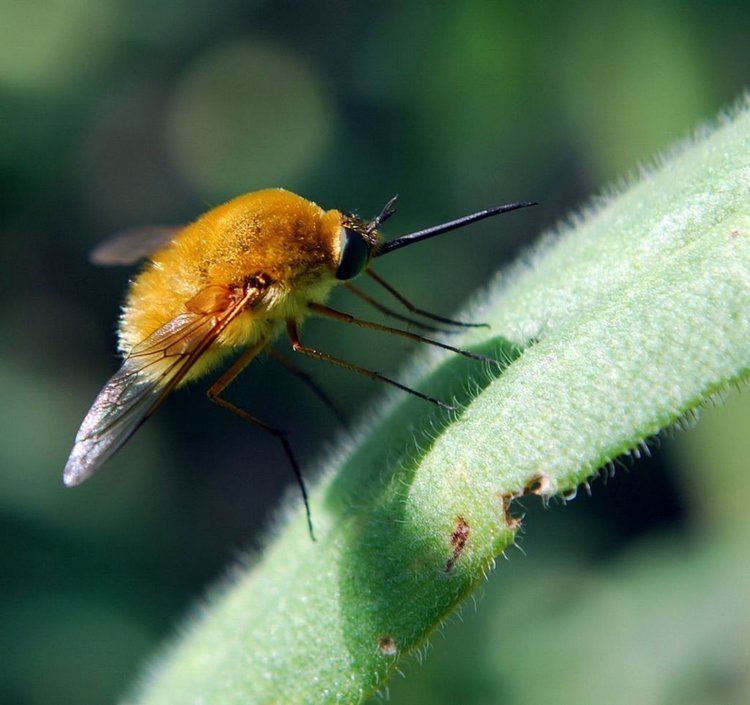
x,y
214,394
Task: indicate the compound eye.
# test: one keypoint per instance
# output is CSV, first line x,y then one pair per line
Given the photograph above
x,y
355,252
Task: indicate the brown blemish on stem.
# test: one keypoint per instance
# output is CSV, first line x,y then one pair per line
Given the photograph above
x,y
459,537
511,522
539,485
387,646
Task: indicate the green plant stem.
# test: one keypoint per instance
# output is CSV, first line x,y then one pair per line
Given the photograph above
x,y
615,328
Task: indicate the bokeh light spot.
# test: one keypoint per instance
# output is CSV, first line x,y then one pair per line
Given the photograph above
x,y
246,116
633,79
51,44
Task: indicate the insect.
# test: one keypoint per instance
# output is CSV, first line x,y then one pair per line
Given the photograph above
x,y
230,283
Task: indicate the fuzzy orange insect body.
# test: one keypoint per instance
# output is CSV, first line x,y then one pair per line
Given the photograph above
x,y
289,241
232,281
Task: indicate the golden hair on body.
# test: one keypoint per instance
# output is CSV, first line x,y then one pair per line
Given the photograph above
x,y
290,242
232,281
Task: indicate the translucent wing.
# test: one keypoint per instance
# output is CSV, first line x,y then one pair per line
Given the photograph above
x,y
147,376
133,244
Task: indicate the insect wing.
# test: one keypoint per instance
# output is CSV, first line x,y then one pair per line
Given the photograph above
x,y
132,244
150,372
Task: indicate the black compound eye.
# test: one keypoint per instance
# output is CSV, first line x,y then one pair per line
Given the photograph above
x,y
355,252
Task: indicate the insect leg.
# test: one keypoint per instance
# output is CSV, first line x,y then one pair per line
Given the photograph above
x,y
391,290
297,346
214,394
386,310
309,381
347,318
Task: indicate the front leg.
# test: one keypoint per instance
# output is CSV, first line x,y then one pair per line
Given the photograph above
x,y
298,346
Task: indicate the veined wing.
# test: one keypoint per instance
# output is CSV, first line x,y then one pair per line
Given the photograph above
x,y
147,376
130,245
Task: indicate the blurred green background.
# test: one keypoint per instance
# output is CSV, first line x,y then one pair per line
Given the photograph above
x,y
116,113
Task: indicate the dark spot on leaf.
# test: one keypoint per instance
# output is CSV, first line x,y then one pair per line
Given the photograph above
x,y
539,484
459,537
510,521
387,646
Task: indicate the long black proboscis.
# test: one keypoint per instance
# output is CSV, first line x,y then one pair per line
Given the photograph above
x,y
411,238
